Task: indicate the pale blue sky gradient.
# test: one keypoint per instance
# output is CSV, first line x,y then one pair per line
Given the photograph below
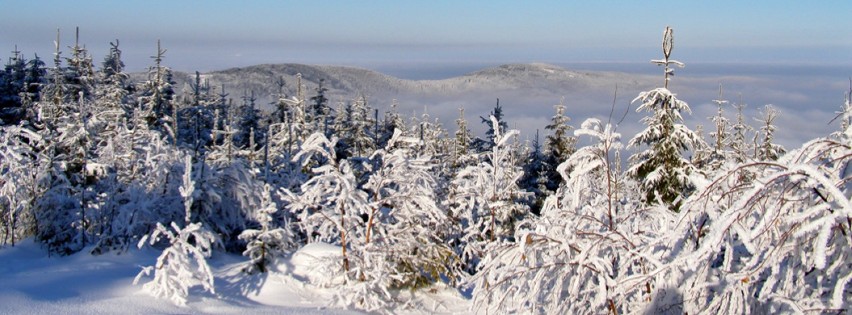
x,y
210,35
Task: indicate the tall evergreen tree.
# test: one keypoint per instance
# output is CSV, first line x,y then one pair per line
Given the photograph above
x,y
319,112
485,199
535,178
739,144
156,96
485,145
34,79
462,143
766,149
662,171
391,121
55,93
12,85
249,120
559,146
79,72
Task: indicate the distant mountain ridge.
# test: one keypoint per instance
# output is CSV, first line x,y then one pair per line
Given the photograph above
x,y
345,83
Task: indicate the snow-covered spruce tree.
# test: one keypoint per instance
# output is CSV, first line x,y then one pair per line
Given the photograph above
x,y
717,153
269,242
248,120
156,96
55,92
406,226
845,116
740,145
661,169
225,193
536,179
560,144
286,137
318,110
222,149
12,88
183,263
79,72
404,244
329,206
111,92
19,181
462,143
391,121
359,130
63,220
575,257
766,150
141,188
34,82
484,200
195,118
484,145
280,101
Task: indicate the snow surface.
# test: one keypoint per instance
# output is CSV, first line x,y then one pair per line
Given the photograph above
x,y
33,283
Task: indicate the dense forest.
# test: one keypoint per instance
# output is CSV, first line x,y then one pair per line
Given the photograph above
x,y
727,222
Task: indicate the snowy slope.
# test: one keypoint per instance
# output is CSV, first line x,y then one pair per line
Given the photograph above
x,y
32,283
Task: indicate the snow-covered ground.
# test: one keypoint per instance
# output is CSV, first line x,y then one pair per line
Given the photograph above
x,y
33,283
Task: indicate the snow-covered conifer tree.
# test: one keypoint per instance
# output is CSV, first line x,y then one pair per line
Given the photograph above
x,y
561,143
79,72
485,199
156,96
406,226
19,181
359,134
535,179
183,263
777,243
264,245
484,145
390,123
661,169
766,150
740,130
462,143
330,204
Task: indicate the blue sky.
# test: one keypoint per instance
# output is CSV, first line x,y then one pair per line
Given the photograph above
x,y
209,35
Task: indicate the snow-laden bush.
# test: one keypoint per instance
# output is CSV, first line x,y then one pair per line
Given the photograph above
x,y
780,242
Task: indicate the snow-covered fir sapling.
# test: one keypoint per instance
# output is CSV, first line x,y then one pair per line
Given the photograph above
x,y
329,205
767,150
264,245
717,153
662,170
20,172
183,263
406,227
485,198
